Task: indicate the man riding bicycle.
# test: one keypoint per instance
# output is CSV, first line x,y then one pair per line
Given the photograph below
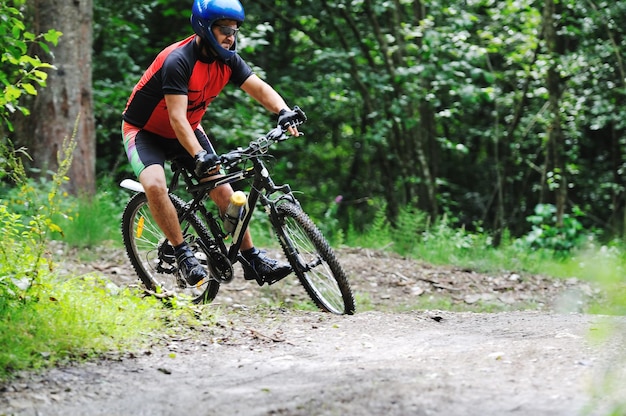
x,y
162,121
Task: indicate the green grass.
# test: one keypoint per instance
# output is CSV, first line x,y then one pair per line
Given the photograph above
x,y
47,318
69,319
91,220
603,265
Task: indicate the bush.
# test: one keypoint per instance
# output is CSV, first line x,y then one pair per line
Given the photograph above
x,y
546,234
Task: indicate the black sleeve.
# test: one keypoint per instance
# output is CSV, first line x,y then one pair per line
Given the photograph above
x,y
241,71
176,73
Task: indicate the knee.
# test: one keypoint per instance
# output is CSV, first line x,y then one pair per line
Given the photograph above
x,y
221,194
155,188
153,184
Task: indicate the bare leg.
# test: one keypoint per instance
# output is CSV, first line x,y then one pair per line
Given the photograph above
x,y
153,180
221,197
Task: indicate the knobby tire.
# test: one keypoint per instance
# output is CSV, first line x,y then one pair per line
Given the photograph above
x,y
314,261
142,238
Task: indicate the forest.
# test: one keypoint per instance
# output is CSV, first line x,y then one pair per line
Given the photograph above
x,y
485,113
475,145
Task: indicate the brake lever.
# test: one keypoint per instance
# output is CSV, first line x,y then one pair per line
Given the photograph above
x,y
231,158
276,133
286,137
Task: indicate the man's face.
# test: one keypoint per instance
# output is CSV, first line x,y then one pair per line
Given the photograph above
x,y
225,32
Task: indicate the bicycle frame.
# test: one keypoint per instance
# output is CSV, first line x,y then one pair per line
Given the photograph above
x,y
260,191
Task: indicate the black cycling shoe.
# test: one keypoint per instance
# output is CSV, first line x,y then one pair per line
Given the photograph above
x,y
257,266
189,267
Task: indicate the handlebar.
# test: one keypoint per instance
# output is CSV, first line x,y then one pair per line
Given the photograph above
x,y
262,144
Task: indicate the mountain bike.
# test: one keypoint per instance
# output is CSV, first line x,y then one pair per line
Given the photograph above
x,y
312,259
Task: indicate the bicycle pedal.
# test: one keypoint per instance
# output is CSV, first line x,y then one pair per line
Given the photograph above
x,y
221,269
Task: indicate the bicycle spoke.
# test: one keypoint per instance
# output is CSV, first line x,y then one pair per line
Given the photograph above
x,y
155,266
314,262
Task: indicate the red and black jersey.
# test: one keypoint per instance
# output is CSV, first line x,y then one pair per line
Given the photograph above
x,y
181,69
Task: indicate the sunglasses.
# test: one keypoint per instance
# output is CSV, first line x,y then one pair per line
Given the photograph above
x,y
227,30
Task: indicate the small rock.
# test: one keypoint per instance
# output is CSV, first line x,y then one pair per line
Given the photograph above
x,y
417,291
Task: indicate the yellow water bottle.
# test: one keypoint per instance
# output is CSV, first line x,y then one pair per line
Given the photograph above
x,y
233,213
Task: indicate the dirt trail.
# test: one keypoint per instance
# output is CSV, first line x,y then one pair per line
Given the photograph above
x,y
261,359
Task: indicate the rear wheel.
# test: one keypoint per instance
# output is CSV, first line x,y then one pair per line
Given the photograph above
x,y
314,261
152,256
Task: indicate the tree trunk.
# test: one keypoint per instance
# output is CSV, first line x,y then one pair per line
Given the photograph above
x,y
65,106
556,142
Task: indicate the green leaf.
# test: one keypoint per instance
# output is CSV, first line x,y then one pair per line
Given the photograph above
x,y
41,74
29,89
52,36
12,93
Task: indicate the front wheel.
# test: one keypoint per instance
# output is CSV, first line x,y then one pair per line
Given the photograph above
x,y
152,256
314,261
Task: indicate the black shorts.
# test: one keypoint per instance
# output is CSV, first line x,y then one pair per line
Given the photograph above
x,y
144,148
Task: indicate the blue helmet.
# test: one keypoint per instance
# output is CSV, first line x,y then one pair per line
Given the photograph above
x,y
204,13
